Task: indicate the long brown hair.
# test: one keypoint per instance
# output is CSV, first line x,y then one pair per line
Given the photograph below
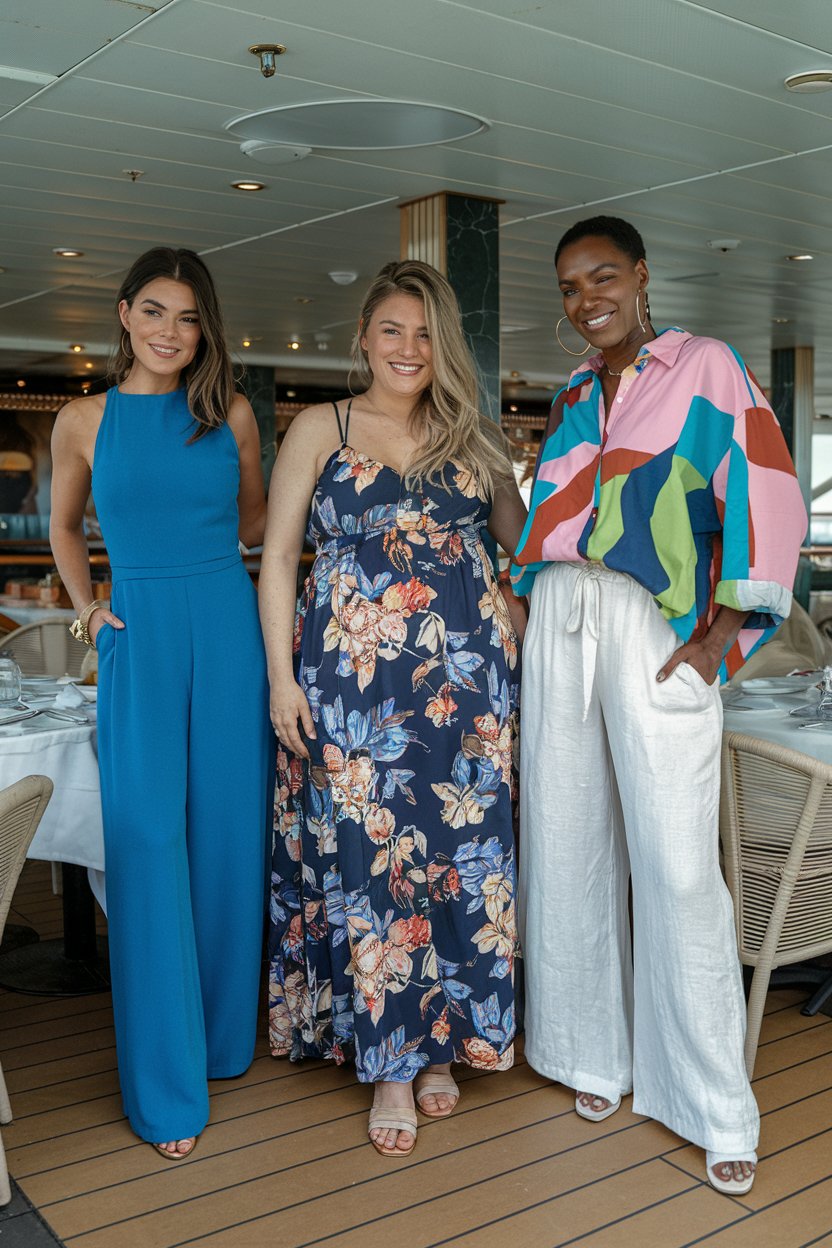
x,y
451,425
209,377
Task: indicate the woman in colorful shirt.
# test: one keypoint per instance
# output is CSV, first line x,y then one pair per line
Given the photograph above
x,y
661,545
393,929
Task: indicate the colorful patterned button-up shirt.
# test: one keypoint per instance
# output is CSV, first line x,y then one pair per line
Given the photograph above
x,y
687,486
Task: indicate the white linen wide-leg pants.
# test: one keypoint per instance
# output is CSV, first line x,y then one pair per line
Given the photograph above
x,y
620,774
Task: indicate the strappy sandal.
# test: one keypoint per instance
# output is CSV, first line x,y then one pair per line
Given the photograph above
x,y
732,1186
435,1085
392,1120
174,1154
595,1115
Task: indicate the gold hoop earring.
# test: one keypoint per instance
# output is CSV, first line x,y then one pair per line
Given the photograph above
x,y
564,348
126,348
638,312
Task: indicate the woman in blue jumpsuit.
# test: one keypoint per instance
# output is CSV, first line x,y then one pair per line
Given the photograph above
x,y
172,454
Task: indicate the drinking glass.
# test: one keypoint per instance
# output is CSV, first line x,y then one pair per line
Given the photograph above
x,y
10,685
823,710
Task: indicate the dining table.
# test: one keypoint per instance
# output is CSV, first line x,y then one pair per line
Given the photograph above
x,y
764,708
783,709
31,611
52,732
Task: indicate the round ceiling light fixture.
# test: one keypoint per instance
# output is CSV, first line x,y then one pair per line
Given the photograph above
x,y
801,255
67,253
273,153
343,277
811,82
245,185
356,125
77,347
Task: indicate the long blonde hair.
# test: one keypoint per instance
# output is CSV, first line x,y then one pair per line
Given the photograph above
x,y
209,377
450,422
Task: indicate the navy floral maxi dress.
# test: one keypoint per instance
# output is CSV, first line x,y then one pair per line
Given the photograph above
x,y
393,932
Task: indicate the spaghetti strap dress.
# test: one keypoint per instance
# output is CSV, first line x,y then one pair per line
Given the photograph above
x,y
393,934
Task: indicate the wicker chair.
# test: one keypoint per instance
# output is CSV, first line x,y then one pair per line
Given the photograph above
x,y
45,648
776,832
21,809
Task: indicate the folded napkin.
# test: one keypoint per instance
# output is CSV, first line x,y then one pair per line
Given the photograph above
x,y
71,697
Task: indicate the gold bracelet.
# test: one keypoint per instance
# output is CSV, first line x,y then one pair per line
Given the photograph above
x,y
79,628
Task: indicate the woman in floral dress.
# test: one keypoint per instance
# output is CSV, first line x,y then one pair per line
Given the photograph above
x,y
392,922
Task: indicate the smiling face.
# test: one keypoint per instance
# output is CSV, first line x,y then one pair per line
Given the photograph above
x,y
398,346
600,285
163,324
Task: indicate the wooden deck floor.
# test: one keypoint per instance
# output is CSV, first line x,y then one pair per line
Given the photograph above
x,y
285,1162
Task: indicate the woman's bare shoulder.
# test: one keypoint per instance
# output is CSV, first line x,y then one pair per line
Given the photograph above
x,y
81,413
316,423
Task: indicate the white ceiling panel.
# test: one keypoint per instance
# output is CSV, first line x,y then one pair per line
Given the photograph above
x,y
664,111
52,35
481,61
806,22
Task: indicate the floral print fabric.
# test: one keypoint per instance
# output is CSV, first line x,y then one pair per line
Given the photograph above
x,y
393,932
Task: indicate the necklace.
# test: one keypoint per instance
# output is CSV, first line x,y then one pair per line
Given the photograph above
x,y
612,371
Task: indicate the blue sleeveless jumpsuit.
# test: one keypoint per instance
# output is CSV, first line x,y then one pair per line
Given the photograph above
x,y
184,751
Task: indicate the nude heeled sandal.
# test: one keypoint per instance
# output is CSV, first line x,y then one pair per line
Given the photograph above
x,y
436,1085
393,1120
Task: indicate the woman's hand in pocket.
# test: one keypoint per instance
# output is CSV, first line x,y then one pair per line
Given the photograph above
x,y
98,619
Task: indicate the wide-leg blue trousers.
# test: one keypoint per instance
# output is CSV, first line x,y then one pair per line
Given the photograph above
x,y
184,750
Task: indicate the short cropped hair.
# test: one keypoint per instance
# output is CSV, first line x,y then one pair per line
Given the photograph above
x,y
625,236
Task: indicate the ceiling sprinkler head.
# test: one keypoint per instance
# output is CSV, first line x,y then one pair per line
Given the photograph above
x,y
268,53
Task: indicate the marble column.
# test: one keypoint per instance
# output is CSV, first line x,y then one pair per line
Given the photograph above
x,y
258,386
459,235
793,400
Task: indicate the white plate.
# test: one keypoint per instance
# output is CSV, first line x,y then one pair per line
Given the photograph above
x,y
769,685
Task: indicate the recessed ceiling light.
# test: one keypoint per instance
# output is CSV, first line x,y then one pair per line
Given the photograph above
x,y
780,320
294,345
801,255
76,347
303,299
814,80
291,394
21,383
512,407
68,253
249,186
246,342
514,373
88,364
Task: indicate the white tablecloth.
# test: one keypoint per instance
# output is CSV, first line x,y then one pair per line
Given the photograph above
x,y
769,718
71,829
29,611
